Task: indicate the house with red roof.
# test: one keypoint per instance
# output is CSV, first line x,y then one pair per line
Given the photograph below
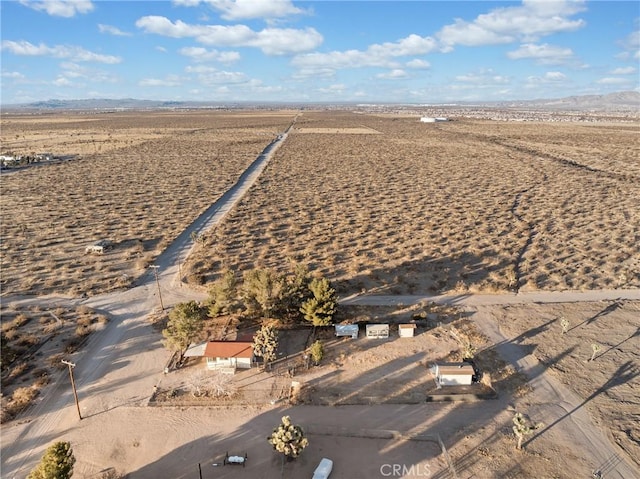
x,y
224,354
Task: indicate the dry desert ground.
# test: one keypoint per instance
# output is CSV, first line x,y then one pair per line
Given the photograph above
x,y
377,203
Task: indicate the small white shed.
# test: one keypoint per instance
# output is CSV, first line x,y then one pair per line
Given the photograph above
x,y
454,374
377,331
406,330
347,330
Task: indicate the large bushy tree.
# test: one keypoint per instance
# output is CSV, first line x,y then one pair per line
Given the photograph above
x,y
288,439
56,463
320,308
262,291
185,324
223,294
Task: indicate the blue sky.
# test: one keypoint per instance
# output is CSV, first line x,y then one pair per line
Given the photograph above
x,y
317,51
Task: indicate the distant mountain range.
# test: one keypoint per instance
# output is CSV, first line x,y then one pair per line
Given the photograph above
x,y
619,101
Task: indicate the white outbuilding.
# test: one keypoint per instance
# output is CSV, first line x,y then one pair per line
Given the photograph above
x,y
406,330
377,331
454,374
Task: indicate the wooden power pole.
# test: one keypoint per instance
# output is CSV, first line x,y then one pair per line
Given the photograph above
x,y
73,385
155,272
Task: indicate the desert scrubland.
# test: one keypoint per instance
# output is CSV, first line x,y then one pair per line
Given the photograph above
x,y
466,205
139,179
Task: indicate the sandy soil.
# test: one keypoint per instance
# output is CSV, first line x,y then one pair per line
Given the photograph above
x,y
460,206
140,181
118,368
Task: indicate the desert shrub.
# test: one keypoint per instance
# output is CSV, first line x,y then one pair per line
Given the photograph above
x,y
20,399
317,351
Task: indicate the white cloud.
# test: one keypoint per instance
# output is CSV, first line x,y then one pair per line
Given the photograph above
x,y
418,64
62,81
377,55
73,70
170,80
623,71
112,30
555,76
631,46
483,78
272,41
74,53
544,54
612,81
12,75
60,8
532,20
395,74
161,49
335,88
241,9
208,75
199,54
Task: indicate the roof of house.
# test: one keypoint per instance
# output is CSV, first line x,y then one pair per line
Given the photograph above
x,y
381,327
221,349
463,369
228,349
347,327
407,326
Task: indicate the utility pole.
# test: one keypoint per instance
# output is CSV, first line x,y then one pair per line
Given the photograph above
x,y
155,272
73,385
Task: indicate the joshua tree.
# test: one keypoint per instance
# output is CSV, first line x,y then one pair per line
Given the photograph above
x,y
595,347
322,306
265,344
523,427
288,439
57,463
564,322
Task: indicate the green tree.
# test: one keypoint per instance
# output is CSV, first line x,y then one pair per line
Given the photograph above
x,y
523,427
317,351
262,291
288,439
320,308
297,291
265,344
56,463
223,294
184,326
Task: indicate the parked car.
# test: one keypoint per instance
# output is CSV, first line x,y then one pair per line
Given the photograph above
x,y
324,469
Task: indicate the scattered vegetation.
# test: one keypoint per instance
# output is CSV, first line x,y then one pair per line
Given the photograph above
x,y
523,427
288,439
57,463
317,352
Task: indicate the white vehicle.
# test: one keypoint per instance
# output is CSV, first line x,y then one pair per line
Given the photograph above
x,y
324,469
